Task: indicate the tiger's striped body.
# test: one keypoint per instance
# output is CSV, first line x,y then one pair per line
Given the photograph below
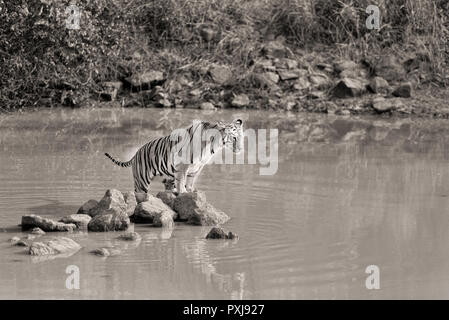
x,y
183,154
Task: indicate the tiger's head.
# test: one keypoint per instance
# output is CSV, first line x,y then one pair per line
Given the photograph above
x,y
232,134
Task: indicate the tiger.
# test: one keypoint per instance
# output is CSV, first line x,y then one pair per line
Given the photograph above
x,y
181,156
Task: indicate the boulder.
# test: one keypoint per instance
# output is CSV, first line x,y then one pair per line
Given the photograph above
x,y
167,197
145,80
37,231
130,236
193,208
220,74
32,221
88,207
208,216
240,101
106,252
382,105
113,202
59,245
207,106
109,222
219,233
80,220
131,202
21,243
404,90
285,75
275,49
390,68
343,65
348,88
163,220
145,212
379,85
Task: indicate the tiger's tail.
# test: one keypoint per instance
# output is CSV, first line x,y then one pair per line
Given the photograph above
x,y
119,163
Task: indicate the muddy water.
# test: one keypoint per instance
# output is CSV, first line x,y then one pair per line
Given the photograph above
x,y
348,193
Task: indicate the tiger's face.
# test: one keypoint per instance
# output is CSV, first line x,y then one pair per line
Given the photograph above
x,y
233,135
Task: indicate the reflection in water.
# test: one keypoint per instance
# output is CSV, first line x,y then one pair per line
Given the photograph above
x,y
348,193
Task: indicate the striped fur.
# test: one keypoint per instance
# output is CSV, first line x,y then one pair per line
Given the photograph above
x,y
182,154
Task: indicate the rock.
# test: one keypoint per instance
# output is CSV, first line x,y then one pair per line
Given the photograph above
x,y
348,88
141,197
264,65
219,233
113,202
88,207
186,203
195,92
275,49
208,215
286,63
130,236
390,68
14,240
30,237
145,80
320,81
106,252
145,212
289,74
131,201
220,74
167,197
37,231
110,90
57,245
301,84
271,76
207,106
382,105
342,65
164,220
32,220
109,222
314,95
193,208
208,34
21,243
404,90
240,101
266,80
80,220
379,85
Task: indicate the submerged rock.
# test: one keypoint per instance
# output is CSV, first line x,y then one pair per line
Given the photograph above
x,y
145,212
57,245
219,233
193,208
109,222
112,202
32,220
106,252
130,236
37,231
80,220
88,207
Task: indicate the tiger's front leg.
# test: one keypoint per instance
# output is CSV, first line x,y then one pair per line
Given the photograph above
x,y
180,178
191,179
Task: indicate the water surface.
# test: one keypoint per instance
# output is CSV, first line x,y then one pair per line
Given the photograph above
x,y
348,193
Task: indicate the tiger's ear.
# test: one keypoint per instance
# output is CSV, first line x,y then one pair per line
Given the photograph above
x,y
238,122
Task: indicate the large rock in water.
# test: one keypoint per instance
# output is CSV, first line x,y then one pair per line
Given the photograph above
x,y
193,208
167,197
117,221
88,207
113,202
219,233
80,220
131,202
32,221
59,245
146,211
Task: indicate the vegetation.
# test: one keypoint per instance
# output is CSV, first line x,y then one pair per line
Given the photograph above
x,y
44,63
